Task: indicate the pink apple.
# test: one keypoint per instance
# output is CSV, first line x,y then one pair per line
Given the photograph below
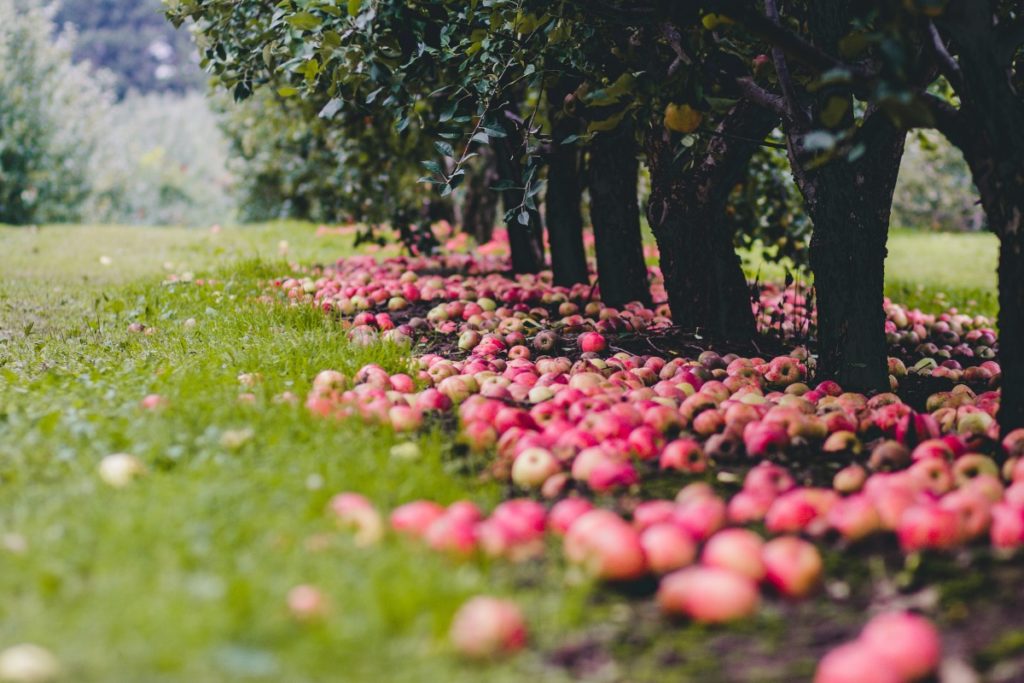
x,y
684,455
565,512
905,643
605,546
487,627
708,595
667,547
414,518
735,549
854,662
792,565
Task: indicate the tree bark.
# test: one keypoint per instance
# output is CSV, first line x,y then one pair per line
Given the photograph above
x,y
989,129
707,291
613,173
564,193
849,204
525,241
480,207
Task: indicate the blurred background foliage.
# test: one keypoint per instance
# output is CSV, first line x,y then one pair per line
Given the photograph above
x,y
105,117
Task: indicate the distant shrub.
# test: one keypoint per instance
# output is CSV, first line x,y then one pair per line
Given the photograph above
x,y
51,112
161,160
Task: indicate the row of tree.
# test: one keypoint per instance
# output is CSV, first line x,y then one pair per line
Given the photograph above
x,y
584,87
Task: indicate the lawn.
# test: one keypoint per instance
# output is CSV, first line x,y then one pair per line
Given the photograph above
x,y
183,576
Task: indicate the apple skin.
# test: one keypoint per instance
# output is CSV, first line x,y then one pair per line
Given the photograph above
x,y
854,662
793,566
683,455
708,595
533,466
1007,530
486,627
928,526
592,342
855,517
413,519
605,546
736,549
905,643
565,512
667,547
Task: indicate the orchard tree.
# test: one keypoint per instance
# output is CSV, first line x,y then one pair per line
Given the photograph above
x,y
957,66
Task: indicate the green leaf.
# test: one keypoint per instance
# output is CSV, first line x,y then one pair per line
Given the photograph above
x,y
444,149
287,91
304,21
354,6
432,166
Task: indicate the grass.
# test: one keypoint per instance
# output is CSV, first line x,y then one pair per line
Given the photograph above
x,y
182,576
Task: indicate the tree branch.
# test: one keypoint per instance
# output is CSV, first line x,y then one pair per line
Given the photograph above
x,y
782,69
947,65
762,98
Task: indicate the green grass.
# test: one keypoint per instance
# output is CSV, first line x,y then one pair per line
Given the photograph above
x,y
182,576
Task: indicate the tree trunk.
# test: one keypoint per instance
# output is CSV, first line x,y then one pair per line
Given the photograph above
x,y
849,204
613,173
989,129
1011,320
480,207
525,241
707,291
564,193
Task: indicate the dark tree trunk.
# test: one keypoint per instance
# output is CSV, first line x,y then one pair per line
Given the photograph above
x,y
989,129
480,207
849,204
707,291
613,173
1011,318
525,240
849,201
564,193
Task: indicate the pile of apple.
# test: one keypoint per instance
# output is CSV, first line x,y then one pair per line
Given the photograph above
x,y
578,429
466,298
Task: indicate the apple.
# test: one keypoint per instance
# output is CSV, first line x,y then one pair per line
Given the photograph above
x,y
736,549
709,595
307,603
533,466
667,547
793,566
120,469
485,627
854,662
904,643
605,546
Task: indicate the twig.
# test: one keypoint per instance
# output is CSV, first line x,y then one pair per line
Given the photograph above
x,y
947,65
